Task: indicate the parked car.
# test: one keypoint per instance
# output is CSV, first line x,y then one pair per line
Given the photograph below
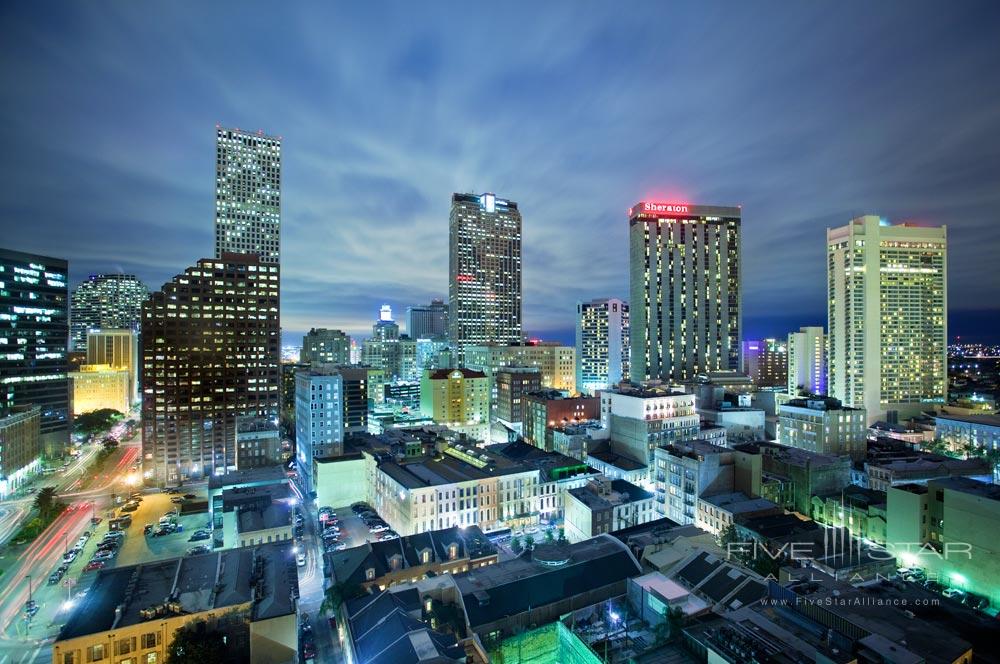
x,y
198,536
934,586
147,529
198,550
190,496
69,556
378,529
301,560
954,593
177,500
94,565
55,578
104,554
976,601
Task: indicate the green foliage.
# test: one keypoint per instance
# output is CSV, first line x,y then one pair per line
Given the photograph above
x,y
549,537
96,421
529,542
195,643
46,503
109,444
562,536
515,545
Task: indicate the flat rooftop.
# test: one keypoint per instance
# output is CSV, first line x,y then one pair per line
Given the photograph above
x,y
264,577
969,486
694,449
447,468
738,502
249,476
275,515
981,420
605,455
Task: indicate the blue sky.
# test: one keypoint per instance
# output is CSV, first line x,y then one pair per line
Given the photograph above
x,y
806,114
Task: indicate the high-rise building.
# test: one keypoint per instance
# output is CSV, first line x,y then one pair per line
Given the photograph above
x,y
105,301
118,349
484,271
807,361
602,344
211,352
325,346
458,399
319,419
427,321
247,194
887,290
20,446
685,290
34,325
765,361
385,328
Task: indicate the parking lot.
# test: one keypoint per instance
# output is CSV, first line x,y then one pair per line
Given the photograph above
x,y
139,547
353,529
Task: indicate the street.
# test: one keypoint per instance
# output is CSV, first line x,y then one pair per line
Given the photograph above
x,y
26,568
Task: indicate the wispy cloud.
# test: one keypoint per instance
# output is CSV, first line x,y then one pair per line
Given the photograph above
x,y
805,114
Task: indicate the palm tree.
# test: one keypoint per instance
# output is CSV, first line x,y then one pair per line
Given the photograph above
x,y
45,501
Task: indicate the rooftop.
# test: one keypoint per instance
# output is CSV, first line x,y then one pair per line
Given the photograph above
x,y
738,502
969,486
276,515
552,465
515,586
266,474
445,374
458,463
263,577
604,454
982,420
694,449
385,629
621,493
817,403
650,390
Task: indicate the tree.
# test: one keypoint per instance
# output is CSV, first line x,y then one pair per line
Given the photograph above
x,y
515,545
96,421
529,542
549,537
109,444
195,643
562,535
46,503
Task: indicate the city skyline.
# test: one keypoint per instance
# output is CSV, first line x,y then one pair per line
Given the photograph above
x,y
800,151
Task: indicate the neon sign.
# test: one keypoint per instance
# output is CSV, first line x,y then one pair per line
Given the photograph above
x,y
664,207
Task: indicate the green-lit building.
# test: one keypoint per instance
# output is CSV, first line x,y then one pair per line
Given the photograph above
x,y
948,527
861,511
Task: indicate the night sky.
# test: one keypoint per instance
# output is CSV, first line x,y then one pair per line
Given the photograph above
x,y
804,113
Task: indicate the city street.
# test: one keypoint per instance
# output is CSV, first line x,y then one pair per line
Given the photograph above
x,y
26,568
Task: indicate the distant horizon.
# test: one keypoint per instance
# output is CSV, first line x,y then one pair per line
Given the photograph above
x,y
969,325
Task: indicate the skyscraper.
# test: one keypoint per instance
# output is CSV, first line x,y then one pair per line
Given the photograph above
x,y
887,290
34,325
765,361
602,344
326,346
247,194
807,361
210,353
484,271
105,301
427,321
685,290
